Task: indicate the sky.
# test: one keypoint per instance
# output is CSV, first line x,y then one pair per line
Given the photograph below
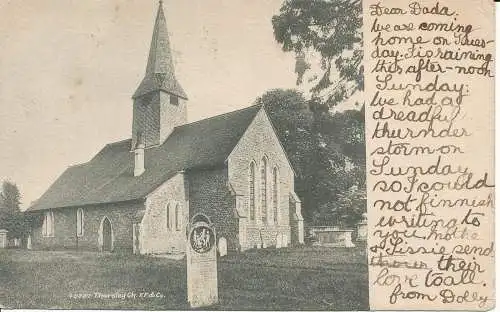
x,y
68,69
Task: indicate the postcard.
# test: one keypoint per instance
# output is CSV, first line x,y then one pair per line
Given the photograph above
x,y
247,155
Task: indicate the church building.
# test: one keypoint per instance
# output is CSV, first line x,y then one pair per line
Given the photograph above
x,y
140,194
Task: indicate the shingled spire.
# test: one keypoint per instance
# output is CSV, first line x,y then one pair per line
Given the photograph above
x,y
160,72
160,101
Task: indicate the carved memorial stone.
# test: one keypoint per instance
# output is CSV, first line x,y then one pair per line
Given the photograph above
x,y
202,286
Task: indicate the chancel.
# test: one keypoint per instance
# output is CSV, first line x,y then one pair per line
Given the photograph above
x,y
138,194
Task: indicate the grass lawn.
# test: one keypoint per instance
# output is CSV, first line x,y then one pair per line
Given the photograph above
x,y
285,279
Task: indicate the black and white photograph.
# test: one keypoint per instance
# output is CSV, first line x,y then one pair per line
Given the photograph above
x,y
177,155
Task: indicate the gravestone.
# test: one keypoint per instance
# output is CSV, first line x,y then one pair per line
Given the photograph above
x,y
222,246
279,241
201,263
284,240
362,228
348,239
3,239
28,243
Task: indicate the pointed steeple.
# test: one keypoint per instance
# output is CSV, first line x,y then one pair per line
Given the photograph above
x,y
160,72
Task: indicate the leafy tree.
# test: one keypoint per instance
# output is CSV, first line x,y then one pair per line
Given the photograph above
x,y
326,151
11,197
11,217
332,30
331,183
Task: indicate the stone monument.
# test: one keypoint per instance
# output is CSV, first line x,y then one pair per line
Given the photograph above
x,y
28,243
279,240
284,240
222,246
202,285
362,228
3,238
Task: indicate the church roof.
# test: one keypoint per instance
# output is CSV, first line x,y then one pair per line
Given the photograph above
x,y
109,176
160,71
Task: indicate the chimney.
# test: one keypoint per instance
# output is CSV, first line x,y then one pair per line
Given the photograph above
x,y
139,158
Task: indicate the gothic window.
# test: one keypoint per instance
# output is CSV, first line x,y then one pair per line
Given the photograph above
x,y
263,189
79,222
252,191
167,212
48,224
275,195
177,218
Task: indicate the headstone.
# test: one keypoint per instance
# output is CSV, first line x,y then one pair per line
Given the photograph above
x,y
362,228
28,243
222,246
202,265
362,231
348,239
3,239
279,241
284,240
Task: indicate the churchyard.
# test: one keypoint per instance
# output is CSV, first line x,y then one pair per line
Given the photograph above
x,y
308,278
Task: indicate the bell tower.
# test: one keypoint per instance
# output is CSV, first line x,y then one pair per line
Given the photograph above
x,y
159,101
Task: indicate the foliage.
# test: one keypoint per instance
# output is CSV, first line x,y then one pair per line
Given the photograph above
x,y
332,29
12,218
327,153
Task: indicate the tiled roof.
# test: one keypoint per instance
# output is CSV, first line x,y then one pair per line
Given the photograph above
x,y
108,177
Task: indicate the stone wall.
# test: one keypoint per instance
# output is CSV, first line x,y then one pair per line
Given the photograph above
x,y
155,117
209,194
156,235
119,214
260,141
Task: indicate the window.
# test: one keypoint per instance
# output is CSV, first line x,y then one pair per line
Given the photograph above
x,y
174,100
79,222
252,191
275,195
177,218
168,216
48,224
263,189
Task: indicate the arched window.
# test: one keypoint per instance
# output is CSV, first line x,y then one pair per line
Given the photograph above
x,y
48,224
79,222
177,217
263,189
252,191
275,195
167,212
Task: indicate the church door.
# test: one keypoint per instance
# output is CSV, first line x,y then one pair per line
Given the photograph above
x,y
106,235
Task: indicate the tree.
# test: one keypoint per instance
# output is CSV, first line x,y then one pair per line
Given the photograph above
x,y
326,151
12,218
331,29
11,197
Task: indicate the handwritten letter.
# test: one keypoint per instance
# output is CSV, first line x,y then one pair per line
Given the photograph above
x,y
429,68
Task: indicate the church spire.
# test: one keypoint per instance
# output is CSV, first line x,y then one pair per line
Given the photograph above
x,y
159,102
160,72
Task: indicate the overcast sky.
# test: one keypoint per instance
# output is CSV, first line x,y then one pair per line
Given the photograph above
x,y
68,69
